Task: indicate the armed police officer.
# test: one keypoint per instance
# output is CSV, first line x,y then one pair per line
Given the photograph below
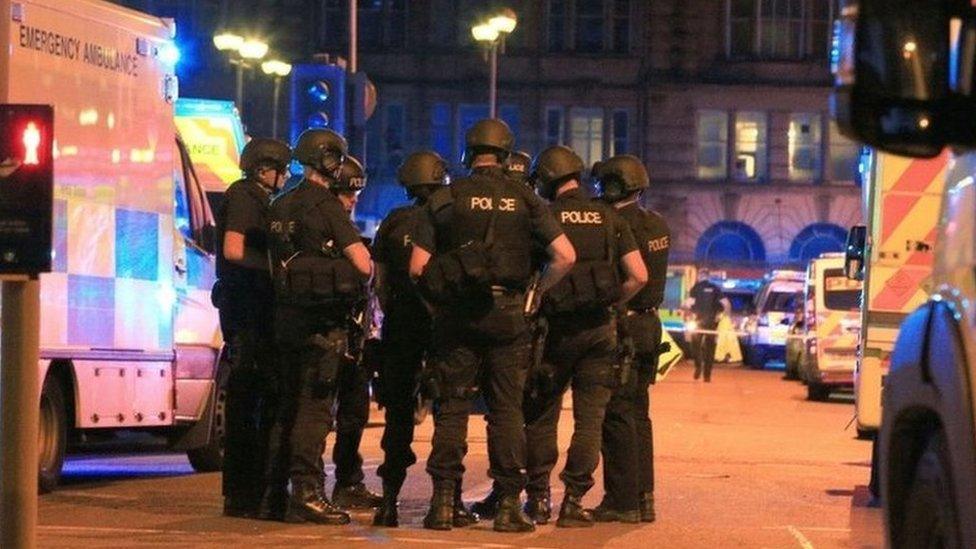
x,y
472,258
406,325
244,297
628,442
320,267
581,345
517,167
706,301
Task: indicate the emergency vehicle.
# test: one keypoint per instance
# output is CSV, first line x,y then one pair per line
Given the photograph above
x,y
129,339
766,331
896,249
680,279
904,85
832,304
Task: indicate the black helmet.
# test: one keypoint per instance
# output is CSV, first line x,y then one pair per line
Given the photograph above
x,y
518,166
351,176
620,176
488,136
422,168
321,149
554,166
261,150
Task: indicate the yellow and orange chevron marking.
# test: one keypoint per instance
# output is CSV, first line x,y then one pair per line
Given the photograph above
x,y
905,230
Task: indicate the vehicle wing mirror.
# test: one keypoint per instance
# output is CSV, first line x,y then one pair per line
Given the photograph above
x,y
855,251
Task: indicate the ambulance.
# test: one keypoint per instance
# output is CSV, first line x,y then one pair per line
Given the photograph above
x,y
832,304
896,252
129,338
680,279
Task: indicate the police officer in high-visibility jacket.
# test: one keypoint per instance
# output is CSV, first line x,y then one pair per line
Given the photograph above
x,y
582,341
243,295
472,257
320,268
406,325
628,442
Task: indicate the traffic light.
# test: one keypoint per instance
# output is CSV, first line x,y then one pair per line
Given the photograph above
x,y
26,188
318,98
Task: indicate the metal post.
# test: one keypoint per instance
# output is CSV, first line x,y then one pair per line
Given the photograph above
x,y
19,413
493,84
353,37
240,86
274,107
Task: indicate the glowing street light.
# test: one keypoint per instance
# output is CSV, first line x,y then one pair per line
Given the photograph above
x,y
228,41
253,49
491,33
241,50
278,70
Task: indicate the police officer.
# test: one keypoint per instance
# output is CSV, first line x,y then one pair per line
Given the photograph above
x,y
517,167
320,266
472,258
352,396
628,443
706,301
244,296
406,325
581,344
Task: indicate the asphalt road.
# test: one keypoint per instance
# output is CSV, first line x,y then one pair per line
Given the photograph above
x,y
744,461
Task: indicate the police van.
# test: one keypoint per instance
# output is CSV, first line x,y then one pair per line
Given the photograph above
x,y
129,339
832,304
766,331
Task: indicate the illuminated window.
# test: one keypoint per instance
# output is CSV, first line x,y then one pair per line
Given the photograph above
x,y
779,29
749,156
804,147
586,134
842,162
713,143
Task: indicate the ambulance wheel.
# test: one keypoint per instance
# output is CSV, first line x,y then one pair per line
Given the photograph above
x,y
930,514
210,458
52,436
818,392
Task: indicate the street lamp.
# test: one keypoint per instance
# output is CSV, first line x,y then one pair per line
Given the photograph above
x,y
278,70
492,33
241,50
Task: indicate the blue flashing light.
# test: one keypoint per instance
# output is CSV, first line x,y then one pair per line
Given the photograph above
x,y
169,54
318,120
320,91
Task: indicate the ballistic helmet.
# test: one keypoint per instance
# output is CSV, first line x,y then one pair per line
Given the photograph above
x,y
554,166
620,176
351,176
321,149
518,167
488,136
422,168
263,151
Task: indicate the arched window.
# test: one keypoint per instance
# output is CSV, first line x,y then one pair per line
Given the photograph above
x,y
730,242
816,239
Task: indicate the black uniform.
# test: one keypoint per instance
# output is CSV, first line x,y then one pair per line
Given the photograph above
x,y
484,343
708,304
309,225
405,336
628,441
580,347
244,297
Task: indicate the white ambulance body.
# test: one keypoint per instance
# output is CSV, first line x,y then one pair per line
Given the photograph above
x,y
129,338
903,197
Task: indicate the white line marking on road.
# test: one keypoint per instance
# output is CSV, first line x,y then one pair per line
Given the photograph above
x,y
93,495
800,538
814,528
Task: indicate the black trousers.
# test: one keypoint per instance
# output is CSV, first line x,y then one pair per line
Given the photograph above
x,y
406,336
628,437
703,347
490,354
352,414
251,395
583,358
313,345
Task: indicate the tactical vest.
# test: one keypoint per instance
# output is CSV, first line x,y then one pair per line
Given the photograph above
x,y
651,295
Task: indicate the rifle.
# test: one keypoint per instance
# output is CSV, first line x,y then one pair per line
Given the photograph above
x,y
541,378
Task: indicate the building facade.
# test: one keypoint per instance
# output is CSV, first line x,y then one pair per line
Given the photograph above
x,y
725,100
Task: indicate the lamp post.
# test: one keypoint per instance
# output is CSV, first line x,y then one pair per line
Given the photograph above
x,y
492,34
277,70
241,50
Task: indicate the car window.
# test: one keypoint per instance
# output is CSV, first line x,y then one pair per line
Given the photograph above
x,y
840,292
781,302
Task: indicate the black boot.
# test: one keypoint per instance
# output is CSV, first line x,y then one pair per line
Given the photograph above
x,y
356,496
387,513
605,513
308,504
647,507
239,507
488,507
539,508
441,513
462,517
510,517
572,514
274,504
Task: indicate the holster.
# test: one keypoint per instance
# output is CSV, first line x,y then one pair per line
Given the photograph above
x,y
328,354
